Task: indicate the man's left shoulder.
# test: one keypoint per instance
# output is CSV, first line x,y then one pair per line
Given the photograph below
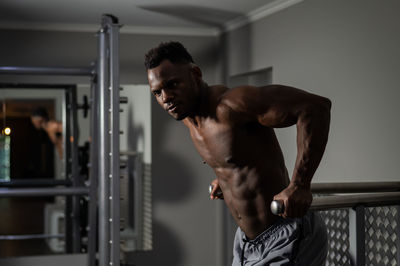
x,y
233,103
238,98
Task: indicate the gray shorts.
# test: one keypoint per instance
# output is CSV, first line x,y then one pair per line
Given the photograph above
x,y
299,241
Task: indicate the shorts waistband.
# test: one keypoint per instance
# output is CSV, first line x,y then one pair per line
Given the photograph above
x,y
303,222
268,232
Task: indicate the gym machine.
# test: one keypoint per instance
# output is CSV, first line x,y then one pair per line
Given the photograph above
x,y
102,188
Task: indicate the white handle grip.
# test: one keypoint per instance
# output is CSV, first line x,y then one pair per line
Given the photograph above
x,y
219,193
277,207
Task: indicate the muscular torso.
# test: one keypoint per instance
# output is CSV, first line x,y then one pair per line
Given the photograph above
x,y
248,162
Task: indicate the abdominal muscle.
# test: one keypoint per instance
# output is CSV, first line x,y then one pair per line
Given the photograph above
x,y
248,195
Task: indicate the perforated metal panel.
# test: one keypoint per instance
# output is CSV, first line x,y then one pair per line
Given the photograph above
x,y
337,223
381,235
147,209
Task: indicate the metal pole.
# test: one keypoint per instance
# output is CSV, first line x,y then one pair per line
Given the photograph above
x,y
67,158
93,174
397,232
33,86
347,201
25,237
357,235
104,151
74,139
113,28
42,182
76,179
59,71
136,199
355,187
39,192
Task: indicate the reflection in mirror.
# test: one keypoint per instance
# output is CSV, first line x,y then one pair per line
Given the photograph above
x,y
31,153
44,148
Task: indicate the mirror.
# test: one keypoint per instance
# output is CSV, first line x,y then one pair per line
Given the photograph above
x,y
32,155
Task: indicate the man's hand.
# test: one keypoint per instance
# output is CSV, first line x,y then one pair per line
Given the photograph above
x,y
296,200
216,192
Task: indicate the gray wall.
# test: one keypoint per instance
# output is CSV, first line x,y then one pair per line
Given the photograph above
x,y
184,219
79,49
349,52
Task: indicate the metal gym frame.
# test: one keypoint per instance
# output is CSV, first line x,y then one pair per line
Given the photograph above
x,y
103,186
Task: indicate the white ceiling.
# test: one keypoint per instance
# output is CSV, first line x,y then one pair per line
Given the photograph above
x,y
194,15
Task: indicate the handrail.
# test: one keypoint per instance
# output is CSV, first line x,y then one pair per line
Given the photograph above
x,y
347,201
352,187
321,203
38,192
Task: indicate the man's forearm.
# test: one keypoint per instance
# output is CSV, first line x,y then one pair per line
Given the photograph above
x,y
312,136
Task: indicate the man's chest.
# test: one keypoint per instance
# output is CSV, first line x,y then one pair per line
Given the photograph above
x,y
213,141
220,144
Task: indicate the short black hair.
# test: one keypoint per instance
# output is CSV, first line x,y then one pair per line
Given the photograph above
x,y
40,112
172,51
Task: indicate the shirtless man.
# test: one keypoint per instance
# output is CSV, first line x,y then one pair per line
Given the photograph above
x,y
40,120
232,130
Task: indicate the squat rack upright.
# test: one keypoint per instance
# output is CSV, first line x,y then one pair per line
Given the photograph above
x,y
103,186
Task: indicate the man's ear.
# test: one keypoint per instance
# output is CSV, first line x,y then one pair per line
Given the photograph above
x,y
196,71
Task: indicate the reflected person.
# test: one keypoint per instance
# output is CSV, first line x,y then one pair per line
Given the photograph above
x,y
40,119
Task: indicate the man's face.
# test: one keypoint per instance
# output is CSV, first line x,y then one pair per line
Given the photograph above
x,y
175,88
37,121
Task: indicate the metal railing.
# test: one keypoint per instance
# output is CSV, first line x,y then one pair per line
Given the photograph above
x,y
351,201
359,197
367,194
352,187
